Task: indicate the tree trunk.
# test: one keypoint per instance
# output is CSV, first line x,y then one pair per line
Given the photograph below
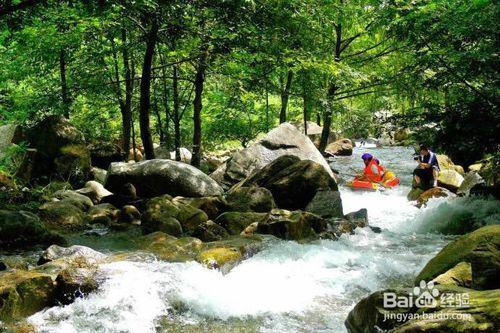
x,y
129,90
332,90
199,82
285,94
267,108
177,118
145,99
66,103
306,111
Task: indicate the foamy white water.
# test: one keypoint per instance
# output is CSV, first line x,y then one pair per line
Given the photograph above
x,y
288,287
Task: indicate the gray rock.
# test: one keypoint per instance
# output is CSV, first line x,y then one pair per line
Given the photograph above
x,y
156,177
79,200
55,252
326,203
285,139
292,182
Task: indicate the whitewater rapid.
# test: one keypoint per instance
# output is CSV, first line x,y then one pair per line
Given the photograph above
x,y
287,287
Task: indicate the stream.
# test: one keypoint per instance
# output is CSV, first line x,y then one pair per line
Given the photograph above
x,y
287,287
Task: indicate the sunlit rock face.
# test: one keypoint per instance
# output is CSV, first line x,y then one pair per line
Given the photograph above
x,y
156,177
285,139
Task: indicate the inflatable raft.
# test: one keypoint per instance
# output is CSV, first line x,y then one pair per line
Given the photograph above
x,y
389,181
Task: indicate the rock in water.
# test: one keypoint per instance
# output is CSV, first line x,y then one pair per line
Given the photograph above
x,y
450,179
435,192
23,293
342,147
61,149
292,182
55,252
285,139
23,230
326,203
156,177
480,315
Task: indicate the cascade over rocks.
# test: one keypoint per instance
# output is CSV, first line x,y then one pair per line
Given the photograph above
x,y
156,177
292,182
285,139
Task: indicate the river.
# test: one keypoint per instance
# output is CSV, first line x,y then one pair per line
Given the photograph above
x,y
288,287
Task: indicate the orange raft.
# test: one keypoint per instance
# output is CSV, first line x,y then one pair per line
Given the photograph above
x,y
389,181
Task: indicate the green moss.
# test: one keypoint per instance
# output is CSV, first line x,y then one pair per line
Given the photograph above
x,y
458,251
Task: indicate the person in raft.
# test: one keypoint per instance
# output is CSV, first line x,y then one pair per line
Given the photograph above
x,y
427,172
373,171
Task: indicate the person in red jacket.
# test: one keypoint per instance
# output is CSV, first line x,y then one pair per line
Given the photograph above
x,y
373,171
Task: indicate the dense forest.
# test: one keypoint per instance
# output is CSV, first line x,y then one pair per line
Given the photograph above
x,y
249,166
209,75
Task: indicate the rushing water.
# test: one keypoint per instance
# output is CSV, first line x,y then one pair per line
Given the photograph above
x,y
288,287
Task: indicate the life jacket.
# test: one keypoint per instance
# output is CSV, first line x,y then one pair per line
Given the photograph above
x,y
374,177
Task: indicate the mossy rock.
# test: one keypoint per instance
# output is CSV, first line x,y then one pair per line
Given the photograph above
x,y
173,217
169,248
460,275
62,216
24,230
483,311
296,225
250,199
236,222
23,293
219,256
459,250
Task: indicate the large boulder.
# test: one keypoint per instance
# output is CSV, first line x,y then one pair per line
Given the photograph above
x,y
460,250
480,314
450,179
21,230
460,275
292,182
250,199
285,139
23,293
342,147
103,153
61,149
156,177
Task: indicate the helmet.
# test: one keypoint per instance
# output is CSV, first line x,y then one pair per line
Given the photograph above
x,y
366,156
